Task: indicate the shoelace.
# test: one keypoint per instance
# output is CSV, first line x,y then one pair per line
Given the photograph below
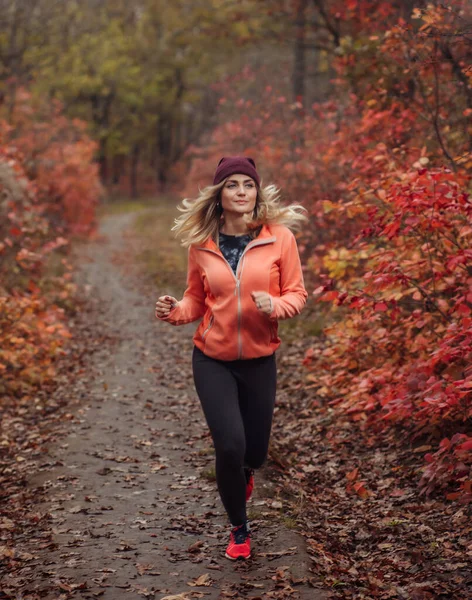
x,y
240,534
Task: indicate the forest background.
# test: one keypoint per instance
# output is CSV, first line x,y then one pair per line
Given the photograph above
x,y
358,109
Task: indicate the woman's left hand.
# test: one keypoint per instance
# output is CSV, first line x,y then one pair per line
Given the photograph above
x,y
263,302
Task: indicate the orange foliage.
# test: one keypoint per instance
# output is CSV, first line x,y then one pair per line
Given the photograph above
x,y
59,158
49,189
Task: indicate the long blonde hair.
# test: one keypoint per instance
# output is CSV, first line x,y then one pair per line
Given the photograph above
x,y
202,216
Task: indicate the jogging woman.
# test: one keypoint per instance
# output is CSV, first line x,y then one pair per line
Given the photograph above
x,y
244,275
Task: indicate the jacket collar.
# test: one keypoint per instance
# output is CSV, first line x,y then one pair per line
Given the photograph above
x,y
265,232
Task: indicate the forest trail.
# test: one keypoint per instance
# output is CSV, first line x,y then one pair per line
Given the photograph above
x,y
135,511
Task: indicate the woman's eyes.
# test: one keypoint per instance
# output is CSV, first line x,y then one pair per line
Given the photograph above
x,y
232,185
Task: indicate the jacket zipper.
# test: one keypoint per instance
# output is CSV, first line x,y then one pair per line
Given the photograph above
x,y
237,289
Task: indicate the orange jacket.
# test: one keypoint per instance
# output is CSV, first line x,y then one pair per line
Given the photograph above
x,y
232,327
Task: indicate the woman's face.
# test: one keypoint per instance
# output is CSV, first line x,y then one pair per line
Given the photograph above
x,y
239,194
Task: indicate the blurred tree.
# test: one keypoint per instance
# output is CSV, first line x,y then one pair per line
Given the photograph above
x,y
143,73
140,73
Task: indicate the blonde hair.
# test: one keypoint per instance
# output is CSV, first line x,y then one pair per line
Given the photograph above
x,y
202,216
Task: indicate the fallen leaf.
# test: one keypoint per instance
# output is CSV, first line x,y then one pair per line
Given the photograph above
x,y
195,547
142,568
7,524
202,580
352,474
6,552
77,509
272,555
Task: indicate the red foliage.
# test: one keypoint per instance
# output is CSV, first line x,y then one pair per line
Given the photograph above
x,y
452,463
385,174
404,346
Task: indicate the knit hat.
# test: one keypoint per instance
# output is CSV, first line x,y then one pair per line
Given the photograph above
x,y
229,165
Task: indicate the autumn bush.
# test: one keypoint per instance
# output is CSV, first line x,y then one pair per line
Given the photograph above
x,y
48,191
384,171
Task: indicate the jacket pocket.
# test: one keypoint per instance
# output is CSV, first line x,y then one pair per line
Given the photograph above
x,y
209,326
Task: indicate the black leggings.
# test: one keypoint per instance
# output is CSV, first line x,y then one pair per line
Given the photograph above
x,y
237,398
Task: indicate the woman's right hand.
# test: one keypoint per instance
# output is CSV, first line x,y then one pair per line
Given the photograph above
x,y
164,305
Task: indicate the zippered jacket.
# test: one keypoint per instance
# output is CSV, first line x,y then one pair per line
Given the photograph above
x,y
232,327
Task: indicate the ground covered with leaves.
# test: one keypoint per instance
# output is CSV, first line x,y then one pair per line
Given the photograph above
x,y
354,495
108,479
350,489
109,484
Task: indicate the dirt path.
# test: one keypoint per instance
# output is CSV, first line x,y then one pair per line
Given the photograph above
x,y
134,507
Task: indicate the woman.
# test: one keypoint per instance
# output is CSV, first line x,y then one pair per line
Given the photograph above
x,y
244,274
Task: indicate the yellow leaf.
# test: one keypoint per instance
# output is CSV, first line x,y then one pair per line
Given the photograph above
x,y
328,206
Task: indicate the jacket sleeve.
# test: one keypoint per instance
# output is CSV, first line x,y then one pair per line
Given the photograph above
x,y
192,305
293,294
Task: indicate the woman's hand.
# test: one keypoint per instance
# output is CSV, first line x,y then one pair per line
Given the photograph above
x,y
263,302
164,305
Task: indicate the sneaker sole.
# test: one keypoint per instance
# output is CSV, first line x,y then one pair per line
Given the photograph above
x,y
238,557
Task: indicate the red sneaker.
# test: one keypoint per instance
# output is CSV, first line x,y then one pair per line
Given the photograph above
x,y
249,483
239,544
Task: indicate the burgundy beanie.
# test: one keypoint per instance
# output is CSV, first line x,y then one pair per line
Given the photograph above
x,y
229,165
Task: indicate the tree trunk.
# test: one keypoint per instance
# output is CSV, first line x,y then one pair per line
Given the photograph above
x,y
162,178
299,71
164,142
134,170
102,161
299,65
101,107
117,164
